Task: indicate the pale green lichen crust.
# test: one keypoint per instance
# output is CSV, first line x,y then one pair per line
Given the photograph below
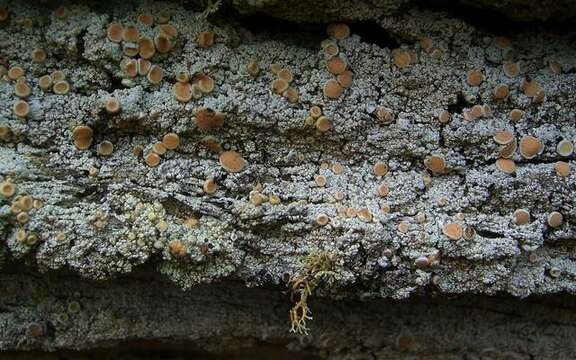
x,y
106,215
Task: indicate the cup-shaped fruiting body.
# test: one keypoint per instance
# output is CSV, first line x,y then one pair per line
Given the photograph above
x,y
565,148
511,69
45,82
182,76
469,233
380,168
21,235
444,117
205,39
38,204
61,87
475,77
401,58
146,47
162,18
155,75
204,82
22,89
285,74
555,219
57,75
323,124
112,106
530,147
114,32
506,166
21,108
15,72
38,55
208,119
516,115
452,231
274,199
279,86
508,150
384,114
383,189
105,148
182,91
129,67
422,262
332,89
555,272
83,136
130,49
337,168
420,217
291,94
338,31
169,30
403,227
345,79
5,132
320,180
209,186
130,34
521,217
426,43
26,203
253,68
562,168
435,163
232,161
22,217
7,188
275,68
477,111
137,150
177,248
365,214
143,67
171,141
339,195
502,42
501,91
152,159
531,88
503,137
159,148
315,111
327,42
336,65
256,198
331,49
163,43
322,219
146,19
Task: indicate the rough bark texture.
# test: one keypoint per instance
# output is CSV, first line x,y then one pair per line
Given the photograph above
x,y
308,209
230,320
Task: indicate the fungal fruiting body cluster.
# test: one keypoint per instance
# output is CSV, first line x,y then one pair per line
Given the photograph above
x,y
154,132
